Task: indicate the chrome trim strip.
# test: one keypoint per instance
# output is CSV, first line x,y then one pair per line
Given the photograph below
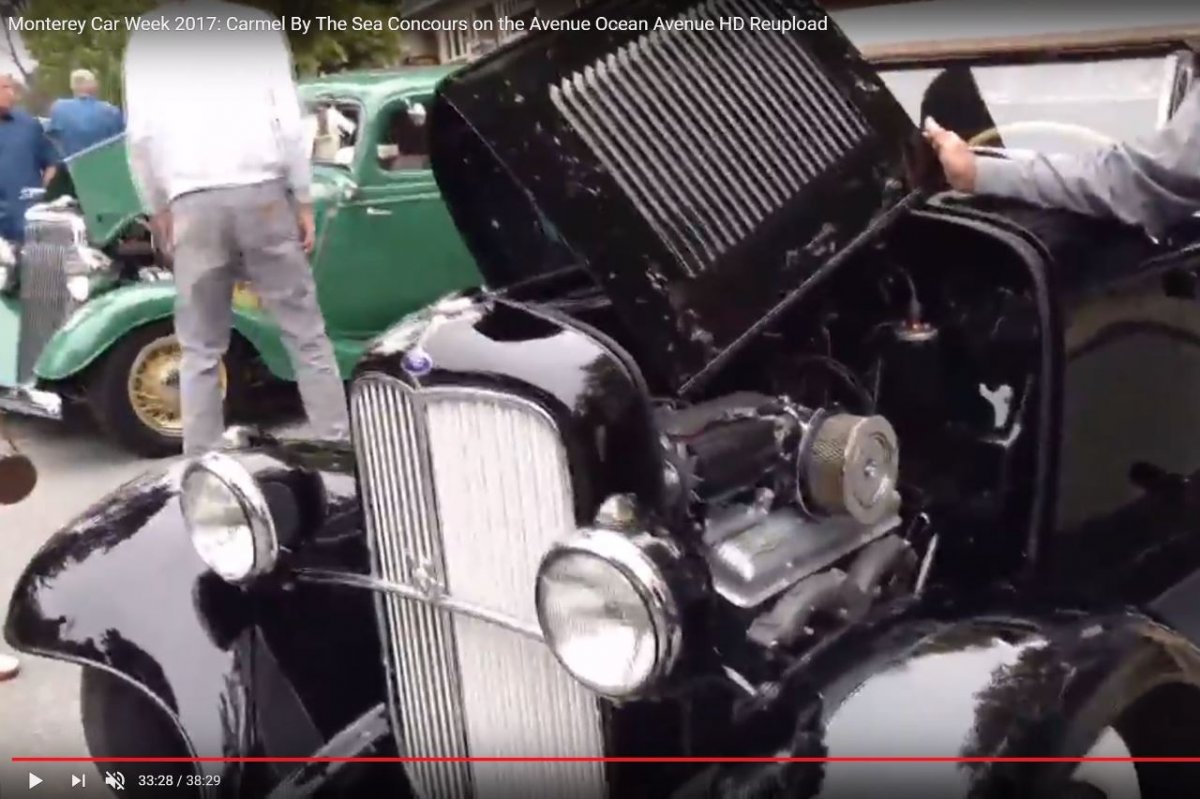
x,y
351,580
31,402
1166,97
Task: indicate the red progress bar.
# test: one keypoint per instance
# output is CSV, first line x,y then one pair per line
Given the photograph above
x,y
606,760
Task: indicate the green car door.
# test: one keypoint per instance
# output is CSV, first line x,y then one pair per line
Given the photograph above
x,y
389,245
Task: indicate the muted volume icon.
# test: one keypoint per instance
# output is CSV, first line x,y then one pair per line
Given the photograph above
x,y
116,781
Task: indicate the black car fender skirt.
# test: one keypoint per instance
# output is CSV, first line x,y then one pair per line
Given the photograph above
x,y
975,690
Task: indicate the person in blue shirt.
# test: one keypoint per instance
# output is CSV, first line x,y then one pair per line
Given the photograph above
x,y
26,164
26,161
78,122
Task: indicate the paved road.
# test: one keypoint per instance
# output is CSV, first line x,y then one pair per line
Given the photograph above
x,y
39,711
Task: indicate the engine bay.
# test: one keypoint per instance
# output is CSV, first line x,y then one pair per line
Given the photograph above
x,y
796,491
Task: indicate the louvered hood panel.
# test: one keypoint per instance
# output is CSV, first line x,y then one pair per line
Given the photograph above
x,y
699,172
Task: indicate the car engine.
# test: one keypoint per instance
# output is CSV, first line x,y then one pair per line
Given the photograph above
x,y
795,494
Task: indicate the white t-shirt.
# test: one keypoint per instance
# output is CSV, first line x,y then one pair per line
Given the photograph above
x,y
183,86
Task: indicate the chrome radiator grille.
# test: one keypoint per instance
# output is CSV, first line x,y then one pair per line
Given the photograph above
x,y
463,491
710,132
62,228
45,303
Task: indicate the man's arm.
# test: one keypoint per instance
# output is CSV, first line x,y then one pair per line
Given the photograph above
x,y
1151,184
139,107
289,118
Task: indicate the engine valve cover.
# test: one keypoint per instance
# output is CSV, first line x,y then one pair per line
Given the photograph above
x,y
769,557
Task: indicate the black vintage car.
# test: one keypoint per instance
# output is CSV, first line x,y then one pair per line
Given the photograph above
x,y
643,498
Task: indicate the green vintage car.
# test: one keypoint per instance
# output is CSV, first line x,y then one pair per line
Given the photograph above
x,y
86,307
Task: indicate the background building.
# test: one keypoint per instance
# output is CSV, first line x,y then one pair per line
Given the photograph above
x,y
457,47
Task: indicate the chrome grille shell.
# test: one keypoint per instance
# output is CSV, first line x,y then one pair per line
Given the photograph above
x,y
45,303
463,490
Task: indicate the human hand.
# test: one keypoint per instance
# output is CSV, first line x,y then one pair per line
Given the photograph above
x,y
163,228
308,228
955,155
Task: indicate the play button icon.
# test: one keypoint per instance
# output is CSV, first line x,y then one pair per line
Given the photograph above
x,y
34,780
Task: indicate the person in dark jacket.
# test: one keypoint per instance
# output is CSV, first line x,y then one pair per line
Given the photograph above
x,y
26,161
1153,184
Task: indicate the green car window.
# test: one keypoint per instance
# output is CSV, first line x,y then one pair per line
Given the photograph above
x,y
405,141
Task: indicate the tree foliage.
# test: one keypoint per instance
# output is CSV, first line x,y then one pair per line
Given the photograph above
x,y
317,52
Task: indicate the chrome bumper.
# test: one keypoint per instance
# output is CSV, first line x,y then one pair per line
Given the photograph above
x,y
31,402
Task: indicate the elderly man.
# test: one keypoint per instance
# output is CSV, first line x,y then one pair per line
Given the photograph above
x,y
82,120
225,203
26,161
1152,184
26,164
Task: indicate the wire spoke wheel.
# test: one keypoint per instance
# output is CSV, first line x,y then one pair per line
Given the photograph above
x,y
153,386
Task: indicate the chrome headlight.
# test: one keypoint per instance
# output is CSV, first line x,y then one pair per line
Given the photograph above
x,y
607,612
227,516
87,269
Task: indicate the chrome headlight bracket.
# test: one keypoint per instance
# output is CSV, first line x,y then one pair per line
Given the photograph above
x,y
252,503
637,558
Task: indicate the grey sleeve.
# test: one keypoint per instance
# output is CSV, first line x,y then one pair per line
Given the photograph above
x,y
1152,184
139,139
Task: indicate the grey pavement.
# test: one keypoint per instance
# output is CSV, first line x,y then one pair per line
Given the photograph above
x,y
39,710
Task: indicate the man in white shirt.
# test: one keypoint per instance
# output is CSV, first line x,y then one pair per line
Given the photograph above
x,y
227,202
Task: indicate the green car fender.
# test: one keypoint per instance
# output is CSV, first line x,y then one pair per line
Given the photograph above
x,y
104,320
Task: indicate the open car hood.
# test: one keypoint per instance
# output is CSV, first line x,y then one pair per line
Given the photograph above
x,y
99,178
701,176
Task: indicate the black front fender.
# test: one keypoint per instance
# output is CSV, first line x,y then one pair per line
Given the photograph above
x,y
122,590
115,590
978,688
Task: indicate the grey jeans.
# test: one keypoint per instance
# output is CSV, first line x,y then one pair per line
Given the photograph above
x,y
223,234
